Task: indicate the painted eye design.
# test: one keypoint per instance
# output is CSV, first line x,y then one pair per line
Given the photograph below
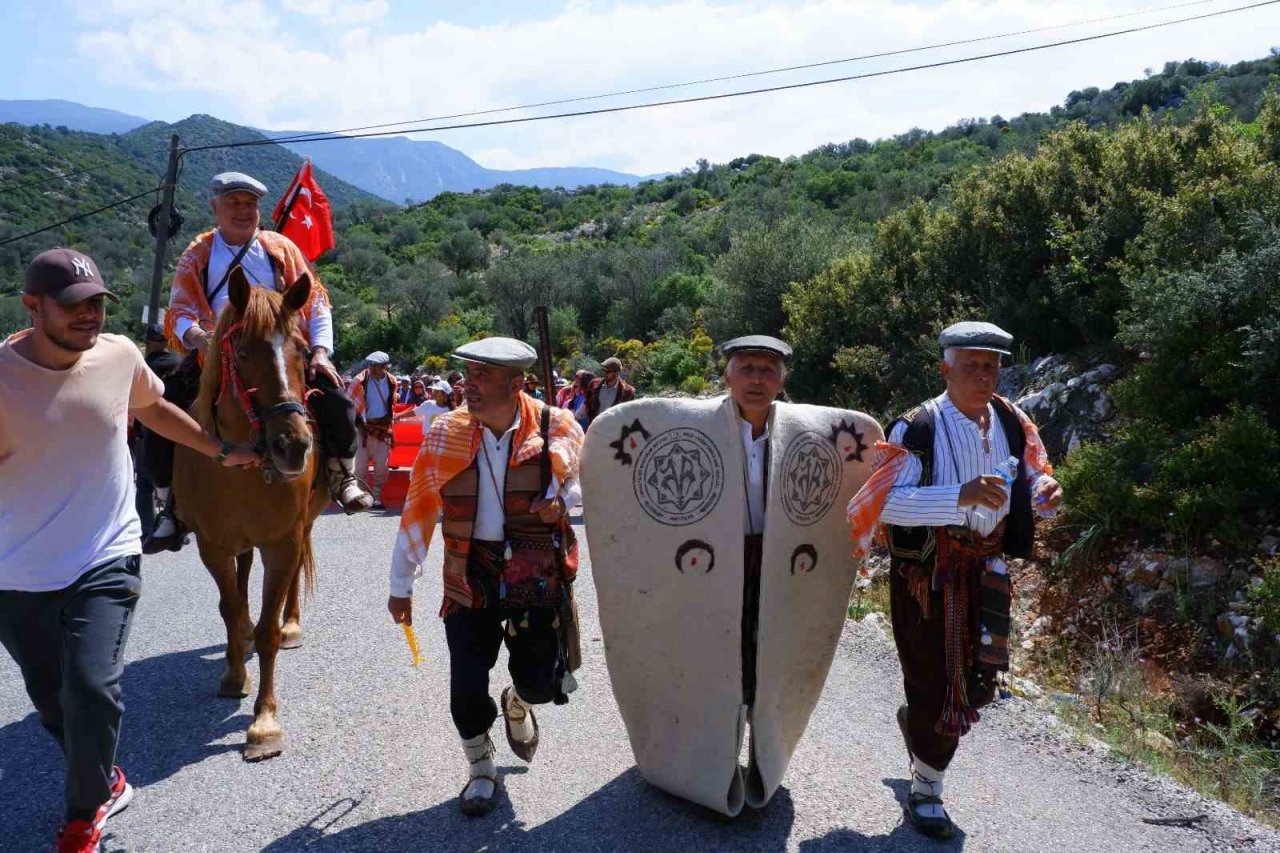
x,y
631,441
804,559
695,556
848,441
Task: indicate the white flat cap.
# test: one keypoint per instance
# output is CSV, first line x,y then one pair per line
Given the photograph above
x,y
236,182
377,357
504,352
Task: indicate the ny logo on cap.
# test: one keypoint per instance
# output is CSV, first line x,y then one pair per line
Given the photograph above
x,y
82,266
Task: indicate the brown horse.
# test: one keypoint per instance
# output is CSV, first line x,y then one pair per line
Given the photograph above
x,y
253,389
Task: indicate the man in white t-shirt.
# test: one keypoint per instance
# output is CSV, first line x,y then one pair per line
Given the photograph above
x,y
70,538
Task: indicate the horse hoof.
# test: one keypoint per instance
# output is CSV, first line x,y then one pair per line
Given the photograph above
x,y
291,638
231,690
270,747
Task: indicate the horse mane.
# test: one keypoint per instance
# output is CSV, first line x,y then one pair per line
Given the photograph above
x,y
263,317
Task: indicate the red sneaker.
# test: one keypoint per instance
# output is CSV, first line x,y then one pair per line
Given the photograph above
x,y
121,796
80,836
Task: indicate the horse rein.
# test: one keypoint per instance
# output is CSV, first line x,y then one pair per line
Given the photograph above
x,y
232,381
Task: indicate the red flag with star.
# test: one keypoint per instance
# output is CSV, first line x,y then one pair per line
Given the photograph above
x,y
302,215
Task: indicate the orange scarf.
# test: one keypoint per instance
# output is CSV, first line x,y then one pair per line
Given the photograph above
x,y
187,299
449,448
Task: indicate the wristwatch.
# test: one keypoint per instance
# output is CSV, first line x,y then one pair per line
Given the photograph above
x,y
224,452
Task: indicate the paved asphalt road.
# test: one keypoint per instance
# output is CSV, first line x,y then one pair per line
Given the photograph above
x,y
373,763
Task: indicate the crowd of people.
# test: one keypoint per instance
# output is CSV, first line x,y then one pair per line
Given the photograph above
x,y
955,488
585,395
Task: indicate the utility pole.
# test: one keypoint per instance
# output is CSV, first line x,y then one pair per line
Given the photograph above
x,y
163,224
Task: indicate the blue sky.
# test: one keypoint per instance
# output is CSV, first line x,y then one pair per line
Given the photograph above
x,y
320,64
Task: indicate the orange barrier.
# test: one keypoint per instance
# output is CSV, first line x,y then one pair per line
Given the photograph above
x,y
408,437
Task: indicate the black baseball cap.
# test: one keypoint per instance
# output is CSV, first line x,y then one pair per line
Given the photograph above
x,y
65,275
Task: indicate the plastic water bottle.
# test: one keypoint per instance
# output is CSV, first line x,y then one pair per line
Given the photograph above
x,y
984,517
1041,509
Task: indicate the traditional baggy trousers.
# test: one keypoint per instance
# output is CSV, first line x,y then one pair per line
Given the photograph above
x,y
69,645
476,634
374,446
922,650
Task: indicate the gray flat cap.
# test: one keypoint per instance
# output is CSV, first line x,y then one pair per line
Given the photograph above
x,y
236,182
974,335
756,343
504,352
377,357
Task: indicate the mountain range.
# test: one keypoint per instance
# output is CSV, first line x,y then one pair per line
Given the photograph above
x,y
396,168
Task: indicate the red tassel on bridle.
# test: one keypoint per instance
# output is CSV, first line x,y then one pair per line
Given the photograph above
x,y
231,378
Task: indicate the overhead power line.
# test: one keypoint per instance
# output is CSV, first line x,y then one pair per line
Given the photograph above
x,y
726,95
311,137
78,217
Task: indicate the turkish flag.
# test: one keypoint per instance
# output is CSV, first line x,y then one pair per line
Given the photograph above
x,y
302,215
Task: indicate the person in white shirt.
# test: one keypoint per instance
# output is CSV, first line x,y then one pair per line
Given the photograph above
x,y
754,376
374,391
428,410
951,518
505,494
70,537
197,299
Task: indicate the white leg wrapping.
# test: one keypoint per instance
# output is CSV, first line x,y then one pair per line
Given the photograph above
x,y
479,753
928,781
519,713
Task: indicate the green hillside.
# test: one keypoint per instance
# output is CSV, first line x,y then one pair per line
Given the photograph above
x,y
274,165
105,168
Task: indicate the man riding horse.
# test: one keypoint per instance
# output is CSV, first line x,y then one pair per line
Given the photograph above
x,y
198,297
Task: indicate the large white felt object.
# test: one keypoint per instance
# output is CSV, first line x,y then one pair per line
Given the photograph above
x,y
663,506
673,647
819,458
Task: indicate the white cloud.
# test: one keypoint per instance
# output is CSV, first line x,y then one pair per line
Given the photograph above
x,y
288,78
338,12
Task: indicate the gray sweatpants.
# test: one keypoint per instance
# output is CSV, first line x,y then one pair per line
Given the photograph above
x,y
69,645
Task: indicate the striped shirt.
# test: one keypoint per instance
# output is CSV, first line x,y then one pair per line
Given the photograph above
x,y
959,455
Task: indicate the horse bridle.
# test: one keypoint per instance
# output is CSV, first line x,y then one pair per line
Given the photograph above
x,y
244,396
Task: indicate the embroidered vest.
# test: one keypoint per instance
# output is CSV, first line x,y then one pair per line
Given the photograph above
x,y
531,577
919,545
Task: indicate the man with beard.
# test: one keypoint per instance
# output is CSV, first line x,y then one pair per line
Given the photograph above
x,y
70,539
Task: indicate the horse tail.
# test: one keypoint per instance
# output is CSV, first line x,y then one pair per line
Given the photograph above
x,y
308,566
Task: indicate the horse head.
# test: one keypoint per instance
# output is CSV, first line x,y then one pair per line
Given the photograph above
x,y
264,361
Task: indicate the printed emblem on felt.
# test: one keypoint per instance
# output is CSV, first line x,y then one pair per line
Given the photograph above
x,y
811,474
679,477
